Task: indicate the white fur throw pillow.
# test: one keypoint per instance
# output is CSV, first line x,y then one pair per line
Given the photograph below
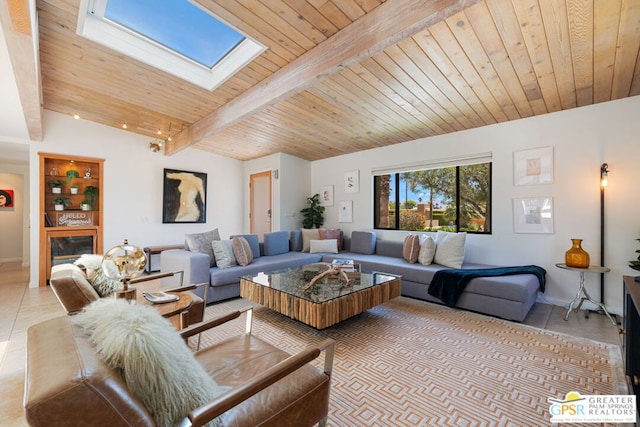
x,y
157,365
103,285
450,249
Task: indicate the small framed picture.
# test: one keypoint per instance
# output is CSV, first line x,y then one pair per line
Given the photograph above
x,y
352,181
345,214
533,215
533,166
326,195
6,198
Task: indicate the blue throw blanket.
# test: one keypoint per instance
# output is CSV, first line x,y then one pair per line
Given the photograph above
x,y
447,285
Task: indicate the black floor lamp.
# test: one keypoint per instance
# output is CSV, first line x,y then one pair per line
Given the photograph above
x,y
604,171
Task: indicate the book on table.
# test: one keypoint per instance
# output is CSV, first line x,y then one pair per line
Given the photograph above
x,y
159,297
344,264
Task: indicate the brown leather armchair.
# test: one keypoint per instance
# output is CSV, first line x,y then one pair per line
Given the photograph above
x,y
67,384
70,285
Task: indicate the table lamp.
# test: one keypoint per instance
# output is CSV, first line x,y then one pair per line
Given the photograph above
x,y
123,263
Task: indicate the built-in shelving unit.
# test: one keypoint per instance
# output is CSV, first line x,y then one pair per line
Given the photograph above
x,y
75,230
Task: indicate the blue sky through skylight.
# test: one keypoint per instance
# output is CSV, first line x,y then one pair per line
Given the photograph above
x,y
178,25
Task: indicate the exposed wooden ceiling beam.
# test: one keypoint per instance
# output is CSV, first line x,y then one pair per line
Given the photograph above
x,y
15,20
386,25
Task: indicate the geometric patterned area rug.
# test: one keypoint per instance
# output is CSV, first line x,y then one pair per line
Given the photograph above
x,y
413,363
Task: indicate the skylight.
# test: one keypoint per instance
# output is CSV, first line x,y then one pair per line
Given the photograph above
x,y
176,36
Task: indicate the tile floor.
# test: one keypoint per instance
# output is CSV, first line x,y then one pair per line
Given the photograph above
x,y
21,306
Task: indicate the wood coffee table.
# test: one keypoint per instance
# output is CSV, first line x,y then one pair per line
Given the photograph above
x,y
328,302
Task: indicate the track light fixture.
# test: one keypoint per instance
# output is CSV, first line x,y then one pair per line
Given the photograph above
x,y
155,145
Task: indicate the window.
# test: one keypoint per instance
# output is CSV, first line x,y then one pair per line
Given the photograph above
x,y
176,36
452,198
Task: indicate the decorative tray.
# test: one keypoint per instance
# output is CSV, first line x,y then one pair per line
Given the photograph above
x,y
160,297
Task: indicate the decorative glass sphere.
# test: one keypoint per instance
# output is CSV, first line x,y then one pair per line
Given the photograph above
x,y
124,262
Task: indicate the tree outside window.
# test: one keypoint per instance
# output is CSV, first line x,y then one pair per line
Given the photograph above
x,y
451,199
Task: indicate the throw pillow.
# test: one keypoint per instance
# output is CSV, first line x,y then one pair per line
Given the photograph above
x,y
333,233
309,234
201,242
427,250
156,364
223,252
242,250
363,242
104,285
326,246
411,248
254,243
450,249
276,242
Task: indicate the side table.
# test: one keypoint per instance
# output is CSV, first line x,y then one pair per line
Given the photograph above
x,y
582,290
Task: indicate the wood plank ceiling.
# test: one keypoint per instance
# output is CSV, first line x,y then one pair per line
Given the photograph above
x,y
474,63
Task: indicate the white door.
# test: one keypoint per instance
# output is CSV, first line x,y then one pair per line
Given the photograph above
x,y
260,210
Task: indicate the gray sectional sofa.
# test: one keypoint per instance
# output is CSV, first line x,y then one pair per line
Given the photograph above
x,y
509,297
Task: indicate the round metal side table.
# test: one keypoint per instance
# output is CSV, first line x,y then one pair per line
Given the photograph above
x,y
582,290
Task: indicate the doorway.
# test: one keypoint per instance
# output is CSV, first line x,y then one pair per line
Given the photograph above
x,y
260,204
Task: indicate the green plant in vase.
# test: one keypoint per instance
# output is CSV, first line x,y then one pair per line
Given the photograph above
x,y
72,174
60,202
85,205
91,195
56,186
635,263
313,212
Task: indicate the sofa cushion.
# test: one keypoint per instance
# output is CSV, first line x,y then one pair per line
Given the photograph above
x,y
331,233
254,243
411,248
157,365
363,242
218,277
450,249
324,246
223,252
241,250
201,242
276,243
309,234
427,250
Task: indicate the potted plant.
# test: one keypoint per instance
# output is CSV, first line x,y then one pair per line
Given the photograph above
x,y
635,263
56,186
85,205
313,212
71,173
91,194
74,189
60,202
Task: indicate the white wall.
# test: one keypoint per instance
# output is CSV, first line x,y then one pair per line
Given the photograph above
x,y
133,183
14,221
582,139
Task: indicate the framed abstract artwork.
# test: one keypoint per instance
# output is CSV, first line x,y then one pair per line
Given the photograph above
x,y
533,166
533,215
184,197
345,214
352,181
326,195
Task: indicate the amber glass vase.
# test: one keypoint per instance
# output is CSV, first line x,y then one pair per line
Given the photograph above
x,y
576,256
